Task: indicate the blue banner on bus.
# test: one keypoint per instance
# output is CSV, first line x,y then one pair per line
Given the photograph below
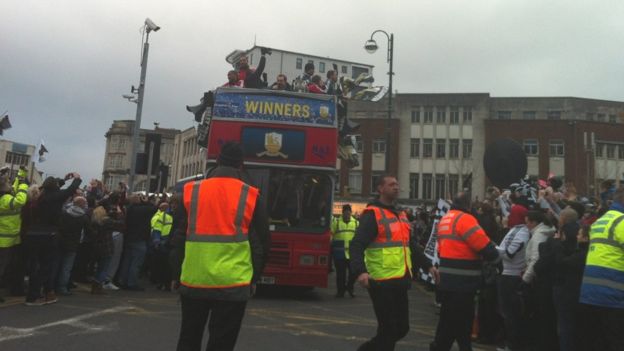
x,y
275,108
275,144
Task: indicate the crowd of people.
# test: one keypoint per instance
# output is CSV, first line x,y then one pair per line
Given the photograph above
x,y
58,235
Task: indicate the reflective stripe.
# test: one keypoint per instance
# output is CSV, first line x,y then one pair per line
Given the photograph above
x,y
240,211
610,242
613,225
450,237
603,282
193,210
456,271
597,230
386,223
11,203
8,235
9,213
216,238
470,231
376,245
604,221
453,229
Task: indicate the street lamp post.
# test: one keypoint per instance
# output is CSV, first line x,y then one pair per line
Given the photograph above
x,y
149,27
371,46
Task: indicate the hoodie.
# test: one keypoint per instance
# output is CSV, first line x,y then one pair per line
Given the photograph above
x,y
73,222
539,234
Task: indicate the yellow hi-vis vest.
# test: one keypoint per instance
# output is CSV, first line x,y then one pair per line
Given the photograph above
x,y
389,255
603,279
162,221
342,234
217,252
10,219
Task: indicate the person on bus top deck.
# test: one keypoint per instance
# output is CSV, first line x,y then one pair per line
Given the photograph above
x,y
308,72
233,81
252,78
226,243
381,255
281,83
316,85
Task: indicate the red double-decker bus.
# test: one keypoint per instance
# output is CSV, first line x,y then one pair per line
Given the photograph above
x,y
290,144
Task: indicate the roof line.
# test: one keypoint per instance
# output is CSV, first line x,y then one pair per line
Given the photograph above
x,y
316,56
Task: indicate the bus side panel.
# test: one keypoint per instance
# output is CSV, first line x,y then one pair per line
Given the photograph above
x,y
298,259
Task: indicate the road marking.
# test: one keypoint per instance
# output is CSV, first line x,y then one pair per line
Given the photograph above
x,y
9,333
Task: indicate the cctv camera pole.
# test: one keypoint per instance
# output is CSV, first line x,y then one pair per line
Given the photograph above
x,y
137,122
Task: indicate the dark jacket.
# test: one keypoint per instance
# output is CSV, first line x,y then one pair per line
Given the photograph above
x,y
101,237
366,234
253,78
138,222
74,221
47,211
259,241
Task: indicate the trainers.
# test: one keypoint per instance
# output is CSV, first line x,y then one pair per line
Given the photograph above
x,y
38,302
50,298
110,286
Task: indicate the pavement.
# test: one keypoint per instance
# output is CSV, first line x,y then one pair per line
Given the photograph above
x,y
276,319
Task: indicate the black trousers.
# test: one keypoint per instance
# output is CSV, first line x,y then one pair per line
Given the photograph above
x,y
599,328
42,262
392,311
225,322
455,323
342,284
511,310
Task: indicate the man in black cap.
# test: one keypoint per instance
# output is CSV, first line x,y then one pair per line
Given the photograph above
x,y
221,248
343,231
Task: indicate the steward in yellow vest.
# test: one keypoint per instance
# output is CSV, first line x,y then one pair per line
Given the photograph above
x,y
161,225
343,231
226,233
381,257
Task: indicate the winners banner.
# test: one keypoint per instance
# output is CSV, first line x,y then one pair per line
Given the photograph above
x,y
431,249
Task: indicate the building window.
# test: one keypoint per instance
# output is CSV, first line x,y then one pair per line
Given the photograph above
x,y
503,115
415,116
454,119
467,114
599,149
114,161
427,187
415,148
355,182
413,185
321,67
610,150
440,148
374,179
556,148
453,184
529,115
440,189
441,114
427,148
621,152
554,115
14,158
530,147
299,64
311,61
589,116
379,146
612,119
428,114
466,148
600,117
454,148
359,144
344,69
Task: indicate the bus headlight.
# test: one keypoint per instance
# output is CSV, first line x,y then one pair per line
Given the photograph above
x,y
306,260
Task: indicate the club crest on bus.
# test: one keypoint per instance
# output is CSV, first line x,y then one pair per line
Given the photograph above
x,y
324,111
273,145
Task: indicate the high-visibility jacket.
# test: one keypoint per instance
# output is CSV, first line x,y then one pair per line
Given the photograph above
x,y
460,238
161,222
603,279
389,255
10,220
217,251
342,234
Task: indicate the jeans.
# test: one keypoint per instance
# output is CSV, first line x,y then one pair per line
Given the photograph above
x,y
392,311
134,256
116,259
65,269
566,305
455,323
342,267
102,269
510,303
226,318
42,259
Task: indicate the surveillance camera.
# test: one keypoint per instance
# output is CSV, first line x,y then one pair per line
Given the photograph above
x,y
151,26
128,96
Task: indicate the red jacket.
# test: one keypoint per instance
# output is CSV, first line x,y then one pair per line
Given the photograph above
x,y
313,88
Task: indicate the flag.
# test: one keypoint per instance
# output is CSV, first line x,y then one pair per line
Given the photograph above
x,y
4,124
40,151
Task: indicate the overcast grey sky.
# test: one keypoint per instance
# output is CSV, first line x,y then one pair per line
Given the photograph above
x,y
65,63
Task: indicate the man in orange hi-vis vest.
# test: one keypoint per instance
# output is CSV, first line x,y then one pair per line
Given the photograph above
x,y
224,227
462,244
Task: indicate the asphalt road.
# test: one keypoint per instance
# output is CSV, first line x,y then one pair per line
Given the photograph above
x,y
275,320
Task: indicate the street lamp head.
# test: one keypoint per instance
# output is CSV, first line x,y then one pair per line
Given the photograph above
x,y
128,96
371,46
151,26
